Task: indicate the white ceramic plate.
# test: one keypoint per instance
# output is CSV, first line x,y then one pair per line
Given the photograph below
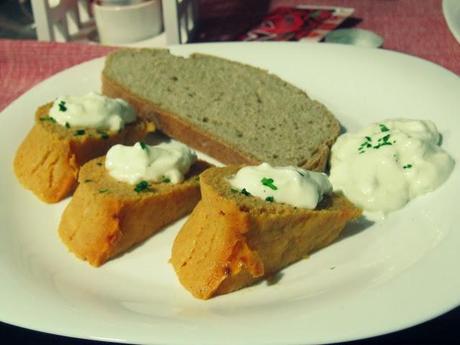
x,y
451,10
377,279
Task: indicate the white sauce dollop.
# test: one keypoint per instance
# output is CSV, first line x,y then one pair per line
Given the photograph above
x,y
166,162
92,111
289,185
382,167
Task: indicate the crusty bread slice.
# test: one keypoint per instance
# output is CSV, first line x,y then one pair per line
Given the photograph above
x,y
236,113
231,240
106,217
49,158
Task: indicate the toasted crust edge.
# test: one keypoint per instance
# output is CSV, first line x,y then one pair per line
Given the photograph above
x,y
241,258
173,126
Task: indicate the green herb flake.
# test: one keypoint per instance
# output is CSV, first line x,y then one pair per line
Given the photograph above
x,y
269,183
407,166
48,118
383,128
143,145
366,144
245,192
62,106
385,138
233,190
142,186
79,132
103,191
67,125
165,179
102,133
269,199
99,163
87,180
300,173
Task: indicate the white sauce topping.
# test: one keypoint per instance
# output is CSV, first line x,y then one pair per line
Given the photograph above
x,y
289,185
166,162
92,111
382,167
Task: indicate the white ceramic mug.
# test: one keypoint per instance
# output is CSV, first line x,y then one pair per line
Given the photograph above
x,y
128,24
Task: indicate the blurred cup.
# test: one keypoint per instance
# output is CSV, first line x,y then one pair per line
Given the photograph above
x,y
128,23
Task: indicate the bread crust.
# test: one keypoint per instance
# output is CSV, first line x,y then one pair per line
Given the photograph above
x,y
49,158
175,127
230,242
107,217
194,136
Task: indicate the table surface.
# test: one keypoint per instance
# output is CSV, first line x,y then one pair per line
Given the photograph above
x,y
410,26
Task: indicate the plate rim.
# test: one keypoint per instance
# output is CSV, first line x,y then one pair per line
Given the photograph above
x,y
447,6
39,85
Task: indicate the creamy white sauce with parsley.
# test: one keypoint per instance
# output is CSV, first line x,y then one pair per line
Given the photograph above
x,y
166,162
92,110
289,185
382,167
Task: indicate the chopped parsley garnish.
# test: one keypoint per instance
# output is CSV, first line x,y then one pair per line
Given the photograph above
x,y
102,191
365,145
383,128
383,141
165,179
79,132
245,192
48,118
269,183
407,166
87,180
103,134
143,145
269,199
99,163
62,106
233,190
301,174
67,125
142,186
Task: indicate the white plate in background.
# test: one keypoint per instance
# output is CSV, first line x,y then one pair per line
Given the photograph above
x,y
376,279
451,10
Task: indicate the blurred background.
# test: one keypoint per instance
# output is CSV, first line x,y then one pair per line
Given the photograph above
x,y
184,21
16,20
232,17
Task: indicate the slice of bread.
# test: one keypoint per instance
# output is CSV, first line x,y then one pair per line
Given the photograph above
x,y
106,217
49,158
231,240
236,113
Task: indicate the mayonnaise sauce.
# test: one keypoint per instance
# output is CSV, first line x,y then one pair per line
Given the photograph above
x,y
92,111
289,185
166,162
382,167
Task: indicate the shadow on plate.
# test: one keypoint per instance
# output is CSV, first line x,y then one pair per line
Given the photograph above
x,y
356,227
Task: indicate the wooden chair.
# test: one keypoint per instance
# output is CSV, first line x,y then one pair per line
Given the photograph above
x,y
69,20
63,20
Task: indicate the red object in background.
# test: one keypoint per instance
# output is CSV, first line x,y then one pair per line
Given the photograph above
x,y
289,24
